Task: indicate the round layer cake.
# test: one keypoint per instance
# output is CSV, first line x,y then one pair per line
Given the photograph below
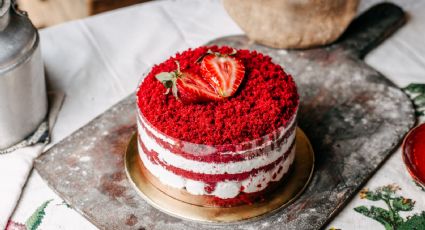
x,y
215,146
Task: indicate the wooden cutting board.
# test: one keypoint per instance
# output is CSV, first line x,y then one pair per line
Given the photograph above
x,y
353,116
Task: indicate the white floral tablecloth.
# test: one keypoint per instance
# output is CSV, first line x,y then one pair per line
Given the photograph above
x,y
98,61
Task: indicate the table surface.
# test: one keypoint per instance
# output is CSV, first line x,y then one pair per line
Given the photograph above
x,y
99,60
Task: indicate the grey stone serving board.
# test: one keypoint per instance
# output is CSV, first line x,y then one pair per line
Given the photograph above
x,y
353,116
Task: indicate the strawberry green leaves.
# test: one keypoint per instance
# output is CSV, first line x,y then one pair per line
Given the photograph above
x,y
169,80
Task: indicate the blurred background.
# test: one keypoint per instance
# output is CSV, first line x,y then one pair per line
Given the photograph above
x,y
45,13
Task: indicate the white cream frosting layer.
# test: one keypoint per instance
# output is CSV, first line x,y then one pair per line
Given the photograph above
x,y
225,189
181,162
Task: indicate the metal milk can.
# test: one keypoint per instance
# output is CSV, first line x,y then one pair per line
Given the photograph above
x,y
23,99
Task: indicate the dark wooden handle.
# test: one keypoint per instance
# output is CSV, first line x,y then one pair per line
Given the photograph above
x,y
371,28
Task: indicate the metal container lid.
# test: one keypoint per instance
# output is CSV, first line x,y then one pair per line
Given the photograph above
x,y
17,36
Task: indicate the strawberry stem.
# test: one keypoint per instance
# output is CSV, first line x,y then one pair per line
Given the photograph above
x,y
177,71
218,54
167,91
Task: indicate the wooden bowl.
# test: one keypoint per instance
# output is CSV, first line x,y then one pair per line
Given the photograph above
x,y
292,23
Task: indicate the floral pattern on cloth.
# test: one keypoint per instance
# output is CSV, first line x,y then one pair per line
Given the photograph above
x,y
34,221
390,217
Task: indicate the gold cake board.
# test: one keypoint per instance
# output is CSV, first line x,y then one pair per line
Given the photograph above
x,y
294,185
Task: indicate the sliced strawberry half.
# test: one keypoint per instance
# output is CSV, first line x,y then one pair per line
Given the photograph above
x,y
223,71
193,88
187,87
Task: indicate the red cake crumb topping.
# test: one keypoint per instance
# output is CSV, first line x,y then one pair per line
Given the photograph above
x,y
266,100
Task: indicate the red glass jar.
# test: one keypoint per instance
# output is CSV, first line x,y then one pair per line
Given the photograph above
x,y
414,154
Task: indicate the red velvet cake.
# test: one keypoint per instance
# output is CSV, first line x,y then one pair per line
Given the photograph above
x,y
216,126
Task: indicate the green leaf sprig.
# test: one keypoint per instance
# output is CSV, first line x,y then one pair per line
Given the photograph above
x,y
169,80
